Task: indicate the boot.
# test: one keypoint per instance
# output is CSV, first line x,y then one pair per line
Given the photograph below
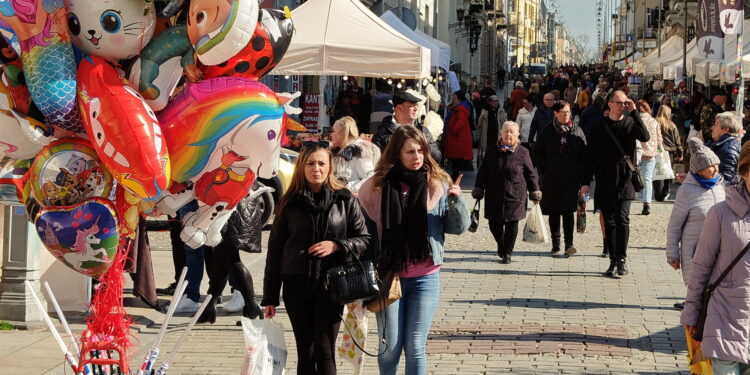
x,y
209,314
622,270
610,272
245,285
646,209
555,245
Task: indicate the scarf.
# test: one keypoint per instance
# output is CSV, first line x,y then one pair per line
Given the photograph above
x,y
706,183
563,130
316,204
404,219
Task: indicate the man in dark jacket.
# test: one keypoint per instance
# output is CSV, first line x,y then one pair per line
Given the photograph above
x,y
709,110
614,187
593,115
542,117
404,113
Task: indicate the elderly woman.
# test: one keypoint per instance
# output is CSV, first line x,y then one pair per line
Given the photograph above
x,y
701,190
506,174
354,159
726,332
648,150
558,155
725,143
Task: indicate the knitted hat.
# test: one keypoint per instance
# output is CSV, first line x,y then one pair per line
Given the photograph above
x,y
701,156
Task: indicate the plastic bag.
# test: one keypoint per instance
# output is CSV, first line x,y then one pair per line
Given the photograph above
x,y
581,216
535,230
265,347
696,361
663,169
355,318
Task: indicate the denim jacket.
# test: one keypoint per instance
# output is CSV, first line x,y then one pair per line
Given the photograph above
x,y
446,214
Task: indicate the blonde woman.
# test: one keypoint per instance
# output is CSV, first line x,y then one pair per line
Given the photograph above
x,y
672,143
354,159
318,224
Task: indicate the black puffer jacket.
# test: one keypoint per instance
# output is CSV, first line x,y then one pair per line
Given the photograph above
x,y
298,227
243,230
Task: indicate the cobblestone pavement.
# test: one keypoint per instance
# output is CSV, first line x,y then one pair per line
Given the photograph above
x,y
537,315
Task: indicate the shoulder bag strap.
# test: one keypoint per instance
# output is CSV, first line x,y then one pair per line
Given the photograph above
x,y
724,274
619,147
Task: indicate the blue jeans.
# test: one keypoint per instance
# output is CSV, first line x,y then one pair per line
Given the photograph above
x,y
722,367
408,322
647,174
193,260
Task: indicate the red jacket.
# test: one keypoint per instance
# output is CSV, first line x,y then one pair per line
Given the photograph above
x,y
516,99
458,136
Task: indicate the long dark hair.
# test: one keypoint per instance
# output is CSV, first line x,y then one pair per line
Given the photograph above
x,y
392,155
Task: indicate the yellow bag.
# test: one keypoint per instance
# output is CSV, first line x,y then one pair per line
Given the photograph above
x,y
698,364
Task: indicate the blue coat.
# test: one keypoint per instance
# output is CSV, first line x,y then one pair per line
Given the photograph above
x,y
727,148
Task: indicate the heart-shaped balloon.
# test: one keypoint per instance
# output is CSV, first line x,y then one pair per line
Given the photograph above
x,y
83,236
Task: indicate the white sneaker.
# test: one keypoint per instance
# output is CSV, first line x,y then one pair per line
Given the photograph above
x,y
236,303
186,305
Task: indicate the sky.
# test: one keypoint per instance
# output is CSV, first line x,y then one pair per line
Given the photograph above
x,y
581,17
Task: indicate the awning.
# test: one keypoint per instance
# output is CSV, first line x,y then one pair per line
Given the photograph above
x,y
437,59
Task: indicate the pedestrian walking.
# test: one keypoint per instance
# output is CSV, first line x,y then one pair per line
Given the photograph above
x,y
525,115
726,332
414,203
404,113
505,176
672,143
558,155
516,99
647,153
542,117
457,138
354,159
700,191
614,187
318,224
490,119
726,144
709,110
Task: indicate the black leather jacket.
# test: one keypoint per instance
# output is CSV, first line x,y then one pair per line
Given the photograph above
x,y
298,227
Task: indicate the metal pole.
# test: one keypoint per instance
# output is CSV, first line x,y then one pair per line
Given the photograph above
x,y
684,42
658,36
643,32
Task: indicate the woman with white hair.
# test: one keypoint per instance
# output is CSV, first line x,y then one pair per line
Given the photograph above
x,y
508,177
725,143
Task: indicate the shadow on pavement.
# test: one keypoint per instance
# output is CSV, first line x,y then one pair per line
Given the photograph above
x,y
544,303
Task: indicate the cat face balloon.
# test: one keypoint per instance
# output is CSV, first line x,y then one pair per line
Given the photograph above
x,y
113,29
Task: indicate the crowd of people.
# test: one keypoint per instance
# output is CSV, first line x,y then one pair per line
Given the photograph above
x,y
555,141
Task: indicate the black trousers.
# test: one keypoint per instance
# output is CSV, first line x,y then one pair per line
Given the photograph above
x,y
554,227
178,247
505,233
661,189
223,261
315,321
617,228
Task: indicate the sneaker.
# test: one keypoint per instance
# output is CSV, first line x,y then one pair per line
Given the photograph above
x,y
569,251
679,306
505,259
186,305
555,249
646,209
235,304
168,291
610,272
622,270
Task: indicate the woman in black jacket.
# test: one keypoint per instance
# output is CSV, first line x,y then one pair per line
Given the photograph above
x,y
558,155
506,174
318,224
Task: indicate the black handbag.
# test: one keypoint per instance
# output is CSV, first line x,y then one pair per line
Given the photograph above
x,y
708,291
354,280
475,216
635,172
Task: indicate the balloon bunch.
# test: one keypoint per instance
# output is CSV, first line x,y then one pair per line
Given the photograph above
x,y
111,110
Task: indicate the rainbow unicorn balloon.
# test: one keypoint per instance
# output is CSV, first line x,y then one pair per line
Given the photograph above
x,y
222,134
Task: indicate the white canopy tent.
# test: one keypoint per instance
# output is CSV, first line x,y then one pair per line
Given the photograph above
x,y
445,49
650,64
437,58
343,37
672,66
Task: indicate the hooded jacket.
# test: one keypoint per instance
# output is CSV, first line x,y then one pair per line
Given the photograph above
x,y
725,233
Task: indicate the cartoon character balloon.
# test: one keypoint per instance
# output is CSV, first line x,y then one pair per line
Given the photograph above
x,y
219,30
124,130
113,29
235,126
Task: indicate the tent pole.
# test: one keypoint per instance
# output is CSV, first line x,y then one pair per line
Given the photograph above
x,y
322,120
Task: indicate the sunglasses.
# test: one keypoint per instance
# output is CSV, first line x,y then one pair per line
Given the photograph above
x,y
315,144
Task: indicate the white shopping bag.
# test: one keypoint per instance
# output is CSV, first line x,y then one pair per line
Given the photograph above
x,y
663,169
265,347
535,230
355,318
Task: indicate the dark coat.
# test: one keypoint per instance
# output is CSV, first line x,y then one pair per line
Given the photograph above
x,y
542,117
707,117
560,168
296,228
507,178
458,135
591,117
516,100
605,161
388,127
243,229
727,148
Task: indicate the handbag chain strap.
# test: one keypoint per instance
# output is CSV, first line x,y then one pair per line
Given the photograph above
x,y
711,287
478,205
619,147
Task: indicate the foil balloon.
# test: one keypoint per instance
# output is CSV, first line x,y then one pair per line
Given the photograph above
x,y
269,43
47,56
123,129
222,134
161,87
114,30
67,172
153,79
13,79
83,237
11,184
219,30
